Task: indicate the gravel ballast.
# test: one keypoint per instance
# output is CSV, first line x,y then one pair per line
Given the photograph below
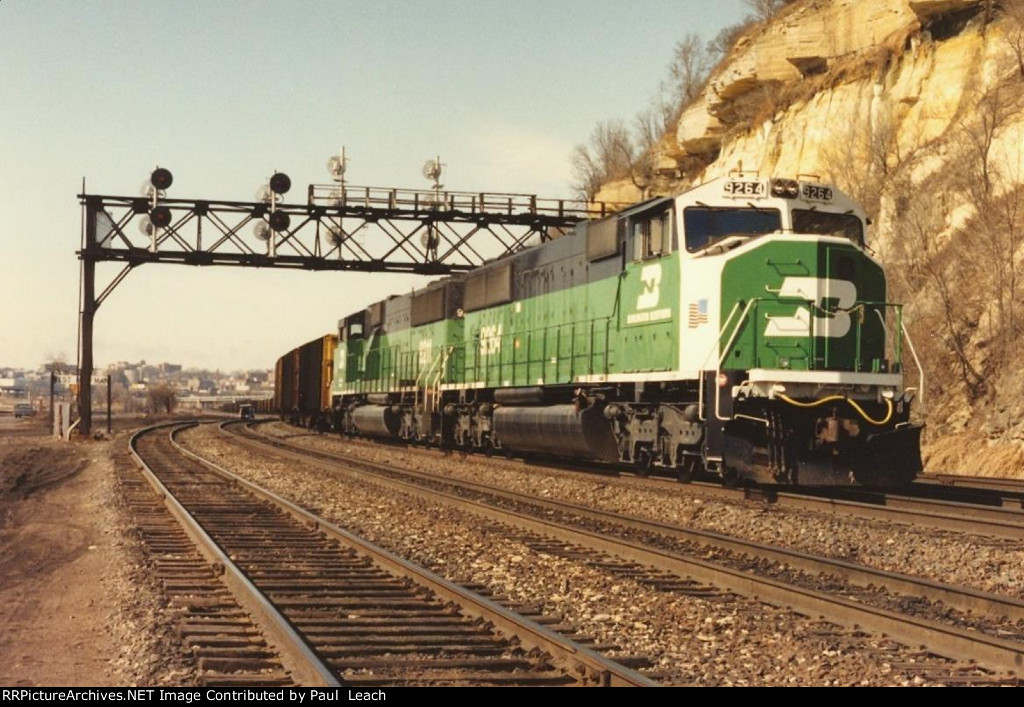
x,y
710,641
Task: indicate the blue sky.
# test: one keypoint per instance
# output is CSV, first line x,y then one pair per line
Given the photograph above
x,y
225,93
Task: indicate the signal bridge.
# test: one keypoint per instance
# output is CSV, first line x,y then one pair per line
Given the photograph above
x,y
339,227
370,229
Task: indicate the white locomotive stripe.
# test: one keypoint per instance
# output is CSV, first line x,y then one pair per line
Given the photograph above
x,y
766,375
631,377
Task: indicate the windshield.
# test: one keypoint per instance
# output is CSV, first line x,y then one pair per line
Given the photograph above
x,y
704,224
826,224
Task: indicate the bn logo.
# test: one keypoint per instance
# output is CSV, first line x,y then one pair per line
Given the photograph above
x,y
650,284
842,294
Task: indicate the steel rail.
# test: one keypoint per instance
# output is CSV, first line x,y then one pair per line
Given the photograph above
x,y
1006,521
589,665
296,655
972,518
949,641
960,598
989,484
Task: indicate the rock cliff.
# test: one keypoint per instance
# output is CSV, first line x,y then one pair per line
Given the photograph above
x,y
915,107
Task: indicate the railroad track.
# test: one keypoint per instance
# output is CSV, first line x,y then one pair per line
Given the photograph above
x,y
216,632
975,509
974,625
1009,490
339,610
958,512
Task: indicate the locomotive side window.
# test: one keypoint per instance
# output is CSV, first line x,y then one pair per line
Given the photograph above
x,y
705,225
652,236
355,330
828,224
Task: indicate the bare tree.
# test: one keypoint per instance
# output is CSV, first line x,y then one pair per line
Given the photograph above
x,y
608,155
649,127
867,165
1014,12
57,363
725,40
989,183
691,63
921,263
764,10
162,397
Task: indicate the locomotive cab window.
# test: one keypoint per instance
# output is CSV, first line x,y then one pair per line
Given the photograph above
x,y
652,235
704,225
828,224
355,330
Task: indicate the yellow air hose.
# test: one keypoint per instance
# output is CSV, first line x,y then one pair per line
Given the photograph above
x,y
854,405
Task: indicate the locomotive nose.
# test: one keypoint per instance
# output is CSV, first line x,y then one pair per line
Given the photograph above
x,y
812,307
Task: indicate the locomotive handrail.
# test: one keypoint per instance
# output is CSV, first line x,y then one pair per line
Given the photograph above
x,y
423,200
718,340
721,358
917,362
813,306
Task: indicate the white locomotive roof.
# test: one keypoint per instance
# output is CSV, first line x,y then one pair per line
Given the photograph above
x,y
750,189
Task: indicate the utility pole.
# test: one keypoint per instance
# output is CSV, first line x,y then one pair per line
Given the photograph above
x,y
110,427
53,385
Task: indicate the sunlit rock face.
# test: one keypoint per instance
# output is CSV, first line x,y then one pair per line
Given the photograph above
x,y
817,86
890,100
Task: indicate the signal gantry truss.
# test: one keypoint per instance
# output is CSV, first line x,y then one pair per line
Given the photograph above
x,y
370,229
340,227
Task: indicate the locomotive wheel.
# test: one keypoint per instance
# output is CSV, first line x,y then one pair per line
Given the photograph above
x,y
730,477
644,461
686,470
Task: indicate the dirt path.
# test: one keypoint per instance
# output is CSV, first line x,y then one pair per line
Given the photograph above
x,y
76,607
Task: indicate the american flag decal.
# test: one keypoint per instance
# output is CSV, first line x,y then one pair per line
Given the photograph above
x,y
698,314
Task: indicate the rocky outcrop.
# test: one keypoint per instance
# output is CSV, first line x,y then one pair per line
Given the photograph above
x,y
883,97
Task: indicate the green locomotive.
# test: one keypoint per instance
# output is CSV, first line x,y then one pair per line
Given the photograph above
x,y
740,328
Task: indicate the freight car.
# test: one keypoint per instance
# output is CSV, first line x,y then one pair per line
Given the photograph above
x,y
740,328
302,383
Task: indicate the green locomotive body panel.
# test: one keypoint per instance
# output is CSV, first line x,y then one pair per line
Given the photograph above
x,y
811,305
650,335
580,333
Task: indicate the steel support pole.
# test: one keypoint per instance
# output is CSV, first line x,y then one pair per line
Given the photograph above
x,y
88,313
85,368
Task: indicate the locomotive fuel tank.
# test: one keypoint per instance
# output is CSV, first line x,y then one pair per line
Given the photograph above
x,y
376,420
561,430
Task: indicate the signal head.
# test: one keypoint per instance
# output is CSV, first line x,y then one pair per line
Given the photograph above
x,y
161,178
279,221
160,216
280,183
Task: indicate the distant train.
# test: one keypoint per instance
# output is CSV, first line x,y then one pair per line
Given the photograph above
x,y
739,329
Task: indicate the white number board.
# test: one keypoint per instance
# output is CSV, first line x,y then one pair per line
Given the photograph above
x,y
744,188
816,192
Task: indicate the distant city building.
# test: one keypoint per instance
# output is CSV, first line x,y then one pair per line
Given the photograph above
x,y
14,385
